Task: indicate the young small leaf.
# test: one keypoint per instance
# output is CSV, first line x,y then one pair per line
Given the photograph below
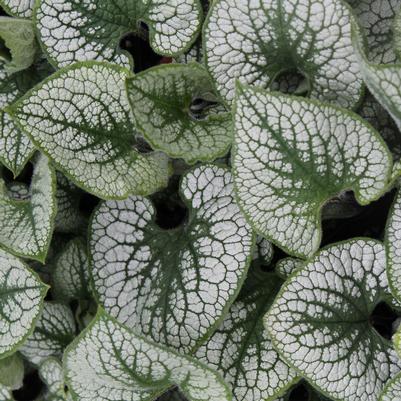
x,y
162,103
26,226
54,330
256,41
285,267
240,348
291,155
18,8
108,361
72,30
320,321
12,372
21,299
393,248
80,118
18,37
70,276
173,286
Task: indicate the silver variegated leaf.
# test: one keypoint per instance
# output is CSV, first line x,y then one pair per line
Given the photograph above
x,y
173,286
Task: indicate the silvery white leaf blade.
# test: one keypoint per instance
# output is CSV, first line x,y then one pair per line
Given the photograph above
x,y
18,8
240,348
54,330
173,286
26,226
72,30
320,321
108,361
161,101
87,131
21,295
256,41
291,155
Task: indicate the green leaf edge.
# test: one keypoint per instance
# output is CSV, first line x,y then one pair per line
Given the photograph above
x,y
12,111
43,292
55,64
101,314
318,217
226,308
283,288
41,256
213,118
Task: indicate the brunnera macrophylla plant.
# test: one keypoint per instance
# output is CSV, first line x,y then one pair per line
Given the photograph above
x,y
199,200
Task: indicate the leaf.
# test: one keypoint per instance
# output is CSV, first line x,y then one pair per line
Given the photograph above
x,y
285,267
70,277
240,348
392,390
397,32
162,101
292,155
26,226
6,394
257,42
54,330
88,132
108,361
72,30
18,8
51,373
21,299
264,251
173,286
69,218
320,321
11,372
393,247
376,18
18,37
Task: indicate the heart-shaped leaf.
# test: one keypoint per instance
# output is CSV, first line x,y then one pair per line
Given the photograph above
x,y
21,299
393,248
240,348
70,275
256,42
376,18
173,286
54,330
19,8
18,38
80,117
170,106
26,226
320,321
108,361
72,30
292,155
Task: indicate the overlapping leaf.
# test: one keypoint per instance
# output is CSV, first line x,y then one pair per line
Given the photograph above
x,y
19,8
240,348
108,361
70,275
291,155
163,103
257,41
21,299
54,330
320,321
51,373
72,30
26,226
173,286
12,372
80,117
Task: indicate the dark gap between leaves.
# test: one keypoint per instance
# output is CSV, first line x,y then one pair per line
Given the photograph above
x,y
370,222
5,52
382,319
87,203
31,388
24,177
137,44
299,393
